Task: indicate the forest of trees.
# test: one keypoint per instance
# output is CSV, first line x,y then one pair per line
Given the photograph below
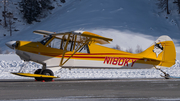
x,y
164,5
35,10
32,10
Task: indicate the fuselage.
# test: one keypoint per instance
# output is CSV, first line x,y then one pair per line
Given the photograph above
x,y
98,57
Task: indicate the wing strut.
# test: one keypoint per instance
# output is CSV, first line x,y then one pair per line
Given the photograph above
x,y
76,50
64,50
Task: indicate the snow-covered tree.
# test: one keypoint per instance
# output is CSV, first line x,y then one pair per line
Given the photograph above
x,y
139,49
0,51
178,4
10,22
63,1
32,9
163,4
4,12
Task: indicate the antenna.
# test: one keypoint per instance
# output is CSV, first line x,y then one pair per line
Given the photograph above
x,y
81,29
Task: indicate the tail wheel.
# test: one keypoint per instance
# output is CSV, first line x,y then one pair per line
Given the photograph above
x,y
38,71
48,72
167,76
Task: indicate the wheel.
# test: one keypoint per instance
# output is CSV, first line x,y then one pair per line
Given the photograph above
x,y
48,72
38,71
167,76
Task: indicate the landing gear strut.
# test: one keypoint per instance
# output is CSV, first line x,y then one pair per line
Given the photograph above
x,y
166,75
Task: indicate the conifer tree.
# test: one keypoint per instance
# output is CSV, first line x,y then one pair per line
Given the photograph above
x,y
32,9
63,1
163,4
178,4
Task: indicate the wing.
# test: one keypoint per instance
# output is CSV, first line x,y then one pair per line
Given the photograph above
x,y
80,35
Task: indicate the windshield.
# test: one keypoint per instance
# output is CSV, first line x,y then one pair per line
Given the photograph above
x,y
45,40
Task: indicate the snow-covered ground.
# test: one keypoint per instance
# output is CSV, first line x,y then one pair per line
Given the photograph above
x,y
12,63
128,23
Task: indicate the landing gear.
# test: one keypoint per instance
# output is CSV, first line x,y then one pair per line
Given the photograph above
x,y
38,71
166,75
48,72
44,72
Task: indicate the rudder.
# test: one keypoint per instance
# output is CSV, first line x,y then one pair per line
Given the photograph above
x,y
163,49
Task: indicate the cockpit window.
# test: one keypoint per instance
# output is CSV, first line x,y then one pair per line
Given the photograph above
x,y
55,43
84,49
59,43
45,40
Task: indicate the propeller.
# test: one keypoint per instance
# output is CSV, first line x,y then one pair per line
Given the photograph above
x,y
11,44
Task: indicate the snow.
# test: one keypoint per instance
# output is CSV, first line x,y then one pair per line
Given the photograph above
x,y
12,63
128,23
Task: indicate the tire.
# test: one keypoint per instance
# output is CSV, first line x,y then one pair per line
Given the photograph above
x,y
167,76
38,72
48,72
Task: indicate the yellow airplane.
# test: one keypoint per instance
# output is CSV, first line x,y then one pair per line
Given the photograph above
x,y
82,49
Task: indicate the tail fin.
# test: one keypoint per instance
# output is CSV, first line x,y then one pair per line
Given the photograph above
x,y
163,49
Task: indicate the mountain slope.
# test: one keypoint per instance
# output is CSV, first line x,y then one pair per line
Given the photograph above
x,y
129,23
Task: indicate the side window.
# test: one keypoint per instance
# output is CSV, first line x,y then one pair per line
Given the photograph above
x,y
59,43
70,43
84,49
55,43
